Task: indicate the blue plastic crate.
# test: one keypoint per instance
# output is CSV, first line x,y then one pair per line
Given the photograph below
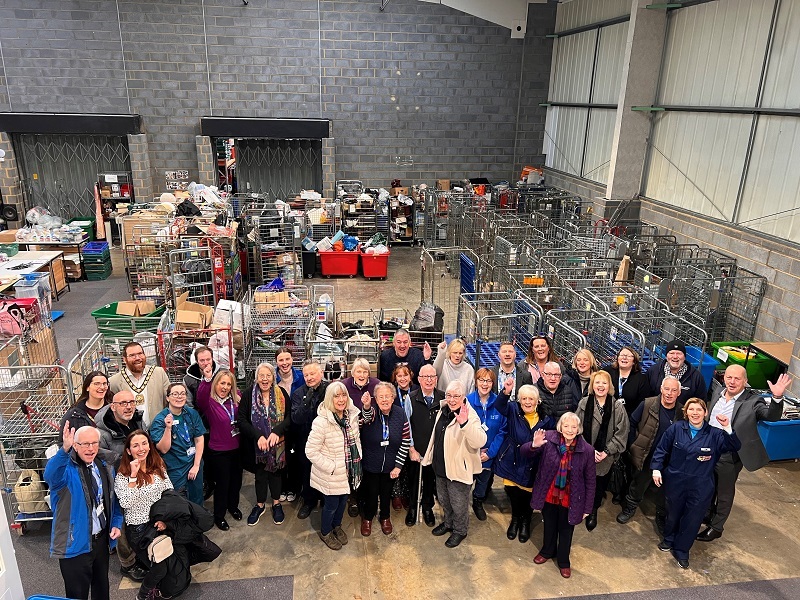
x,y
693,354
95,248
781,439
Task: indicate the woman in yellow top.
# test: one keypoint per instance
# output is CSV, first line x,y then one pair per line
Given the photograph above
x,y
523,419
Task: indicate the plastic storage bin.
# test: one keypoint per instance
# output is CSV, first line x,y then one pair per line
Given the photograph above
x,y
309,263
339,263
375,266
35,285
693,354
87,224
781,439
760,368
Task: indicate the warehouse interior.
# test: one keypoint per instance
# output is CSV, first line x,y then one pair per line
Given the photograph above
x,y
675,119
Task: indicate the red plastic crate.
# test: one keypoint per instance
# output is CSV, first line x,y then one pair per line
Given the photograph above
x,y
375,266
339,263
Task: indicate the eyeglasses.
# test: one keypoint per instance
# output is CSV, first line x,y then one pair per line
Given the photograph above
x,y
87,444
453,396
99,384
178,394
484,381
127,402
552,374
135,354
428,376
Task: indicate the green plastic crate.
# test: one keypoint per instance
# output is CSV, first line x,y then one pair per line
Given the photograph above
x,y
98,276
88,229
759,369
110,324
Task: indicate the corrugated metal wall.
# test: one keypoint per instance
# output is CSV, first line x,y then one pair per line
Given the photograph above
x,y
597,157
782,84
565,129
573,58
577,13
608,75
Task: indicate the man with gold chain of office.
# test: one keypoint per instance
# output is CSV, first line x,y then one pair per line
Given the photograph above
x,y
147,383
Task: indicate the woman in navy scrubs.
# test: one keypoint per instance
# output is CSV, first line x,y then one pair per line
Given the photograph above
x,y
687,453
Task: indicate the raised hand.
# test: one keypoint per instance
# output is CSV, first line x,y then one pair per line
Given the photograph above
x,y
366,400
135,467
779,387
508,386
427,351
463,414
442,345
208,371
538,438
168,421
69,437
723,420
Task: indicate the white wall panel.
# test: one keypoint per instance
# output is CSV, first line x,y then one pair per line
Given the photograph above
x,y
576,13
782,85
696,161
773,179
610,53
714,53
573,57
597,159
565,130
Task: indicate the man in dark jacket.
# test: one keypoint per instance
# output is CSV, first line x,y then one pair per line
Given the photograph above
x,y
203,356
114,422
425,404
402,353
86,514
692,383
745,409
508,367
649,421
559,393
305,402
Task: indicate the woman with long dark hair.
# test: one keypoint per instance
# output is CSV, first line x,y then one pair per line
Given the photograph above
x,y
94,396
629,383
540,352
141,479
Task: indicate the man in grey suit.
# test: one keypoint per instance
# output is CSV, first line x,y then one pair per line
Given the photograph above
x,y
745,409
507,354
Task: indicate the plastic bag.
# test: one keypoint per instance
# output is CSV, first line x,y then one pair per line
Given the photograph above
x,y
428,317
375,240
350,243
36,213
338,246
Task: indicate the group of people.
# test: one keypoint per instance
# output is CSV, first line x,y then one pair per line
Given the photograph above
x,y
426,430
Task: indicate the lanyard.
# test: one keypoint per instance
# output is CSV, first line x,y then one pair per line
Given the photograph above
x,y
231,412
404,396
385,426
185,436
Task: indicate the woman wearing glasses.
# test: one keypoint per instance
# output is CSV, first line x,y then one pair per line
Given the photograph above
x,y
264,418
94,396
629,383
218,400
334,450
494,424
177,431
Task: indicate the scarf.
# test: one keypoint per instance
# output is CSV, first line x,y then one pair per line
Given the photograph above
x,y
679,375
265,419
565,464
351,457
588,422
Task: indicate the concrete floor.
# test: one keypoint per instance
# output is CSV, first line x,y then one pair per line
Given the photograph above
x,y
760,542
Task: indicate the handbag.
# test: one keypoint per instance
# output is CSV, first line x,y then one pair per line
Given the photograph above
x,y
619,480
30,492
160,548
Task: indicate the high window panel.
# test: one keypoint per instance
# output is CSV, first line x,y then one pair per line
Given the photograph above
x,y
608,72
577,13
565,130
714,53
696,161
771,195
782,83
597,157
572,69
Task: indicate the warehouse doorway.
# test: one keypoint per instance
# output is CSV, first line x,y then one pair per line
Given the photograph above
x,y
277,168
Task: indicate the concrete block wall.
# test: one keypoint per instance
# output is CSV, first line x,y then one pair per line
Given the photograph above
x,y
9,180
138,148
206,161
778,261
591,192
417,79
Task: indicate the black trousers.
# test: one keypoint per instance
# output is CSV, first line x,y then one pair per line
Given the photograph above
x,y
227,469
292,474
157,571
87,572
557,534
267,481
725,473
375,487
640,483
600,489
428,484
520,503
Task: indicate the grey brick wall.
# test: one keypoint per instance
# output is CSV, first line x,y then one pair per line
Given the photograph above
x,y
9,180
206,161
417,79
140,166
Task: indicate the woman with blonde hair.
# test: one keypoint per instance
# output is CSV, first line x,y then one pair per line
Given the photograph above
x,y
264,419
218,401
334,450
605,426
583,365
450,365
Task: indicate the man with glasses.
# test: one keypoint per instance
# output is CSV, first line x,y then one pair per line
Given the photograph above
x,y
148,383
86,515
401,353
425,404
558,394
114,422
508,367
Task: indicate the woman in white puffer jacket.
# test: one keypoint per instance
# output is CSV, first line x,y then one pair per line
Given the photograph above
x,y
334,449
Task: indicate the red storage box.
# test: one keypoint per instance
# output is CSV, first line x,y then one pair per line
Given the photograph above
x,y
375,266
339,263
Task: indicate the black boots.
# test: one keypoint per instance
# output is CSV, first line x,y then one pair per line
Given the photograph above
x,y
524,529
626,514
591,520
513,528
477,507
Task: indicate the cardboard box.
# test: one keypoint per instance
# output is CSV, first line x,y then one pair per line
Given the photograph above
x,y
396,191
191,315
135,308
443,184
8,236
287,258
230,314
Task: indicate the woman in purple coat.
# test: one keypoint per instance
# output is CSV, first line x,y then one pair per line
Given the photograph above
x,y
564,486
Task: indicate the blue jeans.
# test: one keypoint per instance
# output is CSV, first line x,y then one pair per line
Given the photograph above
x,y
332,512
483,481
